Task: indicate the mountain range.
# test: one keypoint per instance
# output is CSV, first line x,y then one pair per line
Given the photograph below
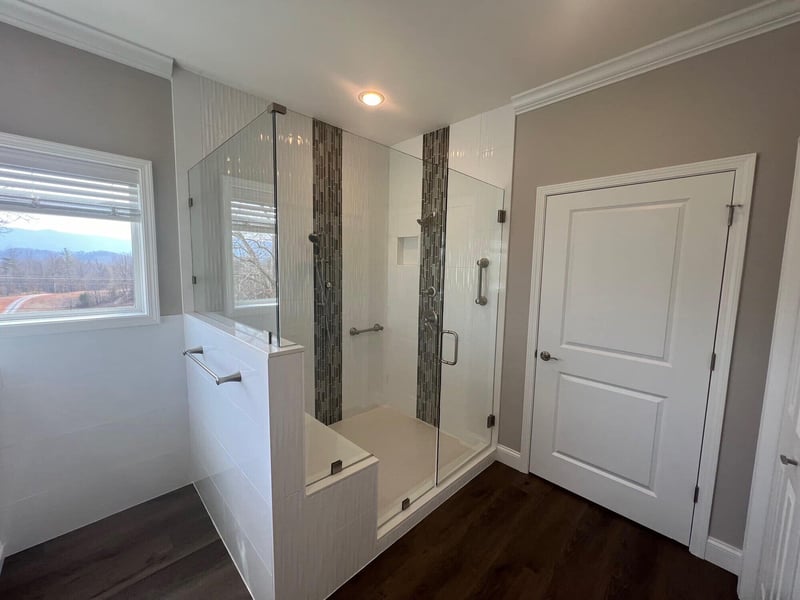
x,y
56,241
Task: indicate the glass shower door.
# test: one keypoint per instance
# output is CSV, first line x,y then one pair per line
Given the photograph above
x,y
473,249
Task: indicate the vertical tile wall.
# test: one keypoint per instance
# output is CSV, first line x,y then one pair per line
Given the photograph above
x,y
435,148
205,114
402,308
295,252
91,423
365,199
364,208
327,153
230,449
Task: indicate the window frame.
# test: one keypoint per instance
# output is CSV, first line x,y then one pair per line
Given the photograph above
x,y
143,248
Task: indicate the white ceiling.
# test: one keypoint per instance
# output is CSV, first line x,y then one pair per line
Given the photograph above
x,y
437,61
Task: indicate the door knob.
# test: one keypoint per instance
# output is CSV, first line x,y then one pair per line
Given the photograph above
x,y
545,356
785,460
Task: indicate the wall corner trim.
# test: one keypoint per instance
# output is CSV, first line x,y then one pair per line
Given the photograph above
x,y
509,457
724,555
84,37
729,29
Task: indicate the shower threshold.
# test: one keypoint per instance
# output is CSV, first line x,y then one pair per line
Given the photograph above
x,y
406,450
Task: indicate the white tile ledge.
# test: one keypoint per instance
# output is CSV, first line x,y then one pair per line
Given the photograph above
x,y
252,337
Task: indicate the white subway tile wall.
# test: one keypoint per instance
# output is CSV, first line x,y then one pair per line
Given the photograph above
x,y
116,436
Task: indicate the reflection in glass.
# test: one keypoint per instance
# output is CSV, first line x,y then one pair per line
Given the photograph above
x,y
234,229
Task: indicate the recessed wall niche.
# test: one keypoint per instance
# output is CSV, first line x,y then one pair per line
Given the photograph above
x,y
408,250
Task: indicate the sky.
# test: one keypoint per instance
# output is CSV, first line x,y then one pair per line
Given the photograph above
x,y
119,230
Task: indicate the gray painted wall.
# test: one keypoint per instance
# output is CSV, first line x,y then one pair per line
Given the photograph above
x,y
125,384
739,99
58,93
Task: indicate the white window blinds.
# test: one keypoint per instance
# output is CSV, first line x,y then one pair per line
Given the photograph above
x,y
252,206
34,182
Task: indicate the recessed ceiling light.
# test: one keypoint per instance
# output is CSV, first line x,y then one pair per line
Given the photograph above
x,y
371,98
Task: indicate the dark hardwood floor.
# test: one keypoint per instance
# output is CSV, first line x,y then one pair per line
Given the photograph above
x,y
506,535
166,548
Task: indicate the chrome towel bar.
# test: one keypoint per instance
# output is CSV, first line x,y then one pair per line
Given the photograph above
x,y
190,353
376,327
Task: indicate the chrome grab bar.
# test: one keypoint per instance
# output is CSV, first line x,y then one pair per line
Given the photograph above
x,y
376,327
190,353
455,348
481,299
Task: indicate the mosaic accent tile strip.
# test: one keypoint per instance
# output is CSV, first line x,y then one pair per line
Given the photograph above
x,y
327,207
435,149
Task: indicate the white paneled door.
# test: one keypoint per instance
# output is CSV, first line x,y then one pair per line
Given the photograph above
x,y
630,292
779,571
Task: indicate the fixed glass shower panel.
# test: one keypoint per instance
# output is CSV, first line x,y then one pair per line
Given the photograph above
x,y
473,252
234,233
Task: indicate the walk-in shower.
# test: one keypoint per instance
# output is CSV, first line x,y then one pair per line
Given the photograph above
x,y
384,266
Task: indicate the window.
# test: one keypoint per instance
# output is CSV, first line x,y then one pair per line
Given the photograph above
x,y
76,236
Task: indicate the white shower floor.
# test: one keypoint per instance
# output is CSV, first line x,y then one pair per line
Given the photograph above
x,y
406,450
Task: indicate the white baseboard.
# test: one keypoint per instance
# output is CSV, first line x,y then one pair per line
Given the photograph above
x,y
510,458
724,555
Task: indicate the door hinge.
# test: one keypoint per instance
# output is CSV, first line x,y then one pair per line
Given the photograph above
x,y
696,493
194,279
731,209
191,202
405,504
490,421
501,216
713,360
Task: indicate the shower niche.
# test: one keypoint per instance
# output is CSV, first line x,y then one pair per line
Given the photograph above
x,y
408,250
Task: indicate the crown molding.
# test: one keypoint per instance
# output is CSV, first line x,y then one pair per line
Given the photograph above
x,y
732,28
67,31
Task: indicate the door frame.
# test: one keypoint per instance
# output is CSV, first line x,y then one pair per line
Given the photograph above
x,y
779,373
743,168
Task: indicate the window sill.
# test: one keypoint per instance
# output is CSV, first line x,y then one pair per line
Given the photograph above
x,y
49,326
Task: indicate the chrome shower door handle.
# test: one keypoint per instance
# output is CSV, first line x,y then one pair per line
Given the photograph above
x,y
481,300
455,348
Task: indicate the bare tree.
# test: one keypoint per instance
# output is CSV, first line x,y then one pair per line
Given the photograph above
x,y
7,218
254,265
